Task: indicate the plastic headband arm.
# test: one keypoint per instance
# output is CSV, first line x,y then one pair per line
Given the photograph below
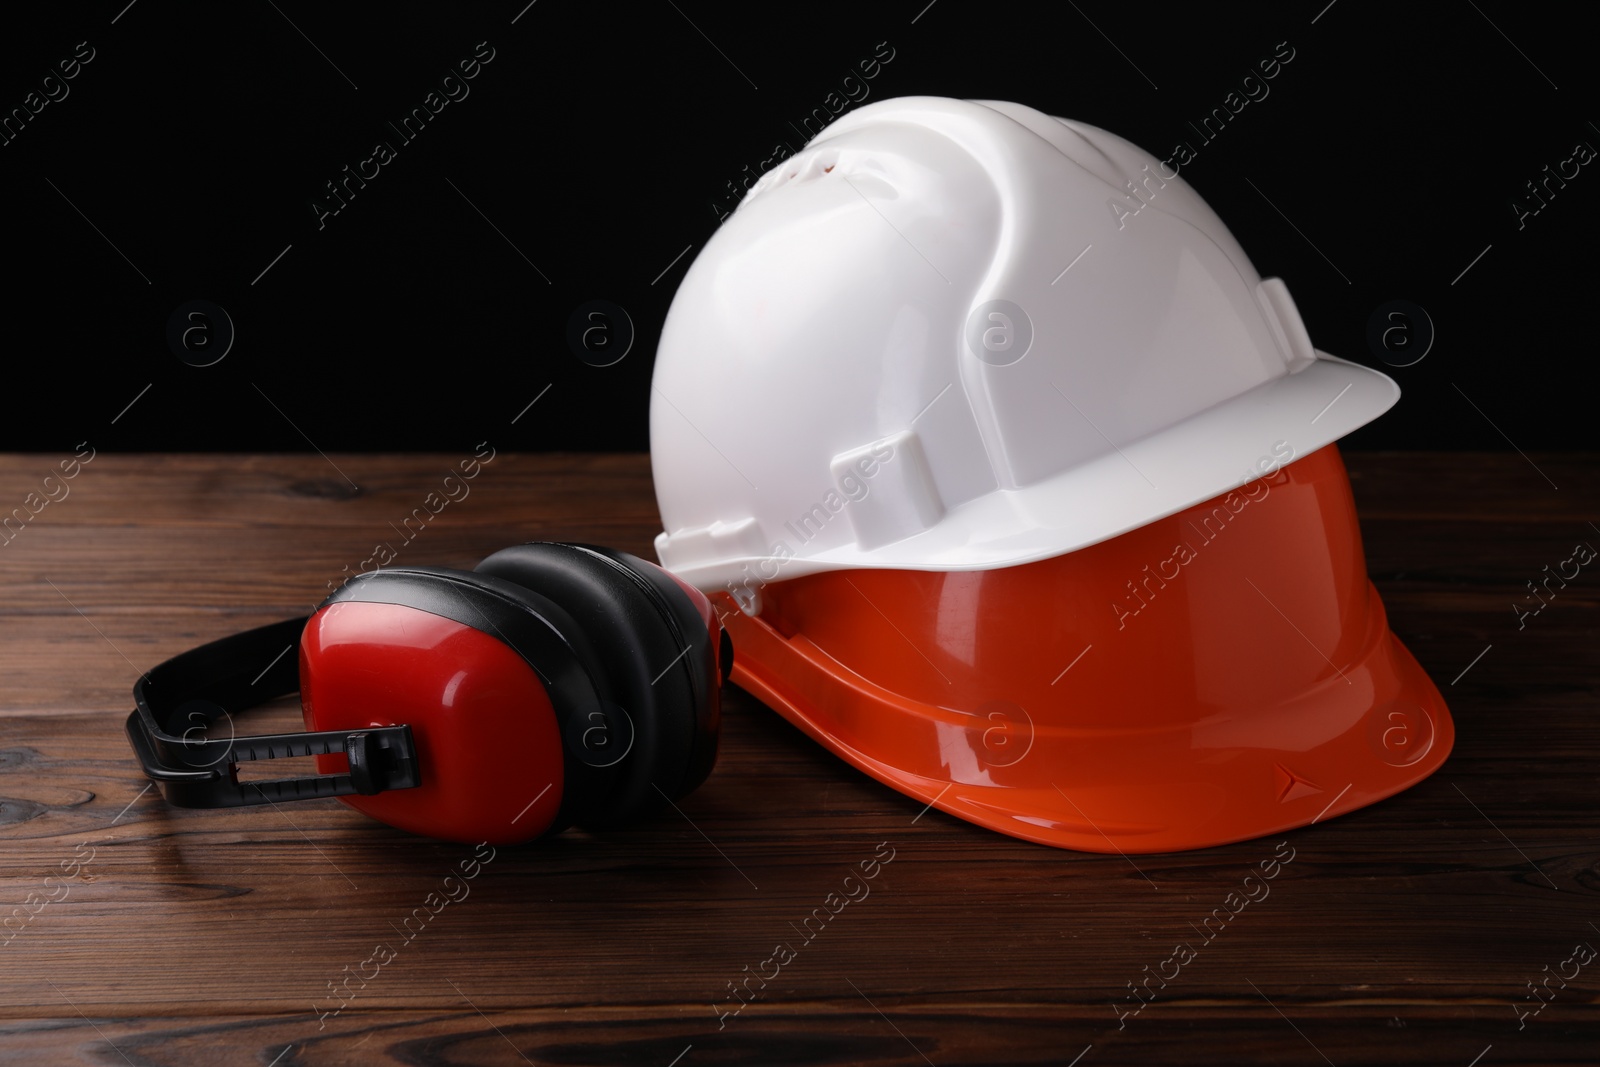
x,y
191,691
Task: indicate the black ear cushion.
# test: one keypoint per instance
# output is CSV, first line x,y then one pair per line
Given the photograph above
x,y
549,639
652,666
701,670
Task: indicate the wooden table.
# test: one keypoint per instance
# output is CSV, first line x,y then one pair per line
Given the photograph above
x,y
1406,932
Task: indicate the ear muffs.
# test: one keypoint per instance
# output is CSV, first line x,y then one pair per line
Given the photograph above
x,y
657,664
559,684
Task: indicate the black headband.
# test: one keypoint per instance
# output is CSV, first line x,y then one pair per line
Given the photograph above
x,y
192,690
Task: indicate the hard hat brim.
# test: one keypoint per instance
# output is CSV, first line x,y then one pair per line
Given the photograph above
x,y
1215,450
1247,791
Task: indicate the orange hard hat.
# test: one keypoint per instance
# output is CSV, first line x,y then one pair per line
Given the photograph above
x,y
1218,674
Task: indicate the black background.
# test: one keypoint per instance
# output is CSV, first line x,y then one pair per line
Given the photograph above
x,y
601,138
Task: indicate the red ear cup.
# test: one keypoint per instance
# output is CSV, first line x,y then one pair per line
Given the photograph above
x,y
486,674
483,722
659,653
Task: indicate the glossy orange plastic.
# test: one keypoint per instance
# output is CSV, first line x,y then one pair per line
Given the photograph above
x,y
1217,675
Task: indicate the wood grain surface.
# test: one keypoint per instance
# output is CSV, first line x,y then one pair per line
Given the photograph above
x,y
1406,932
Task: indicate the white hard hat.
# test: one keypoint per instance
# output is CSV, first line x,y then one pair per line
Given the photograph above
x,y
957,335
